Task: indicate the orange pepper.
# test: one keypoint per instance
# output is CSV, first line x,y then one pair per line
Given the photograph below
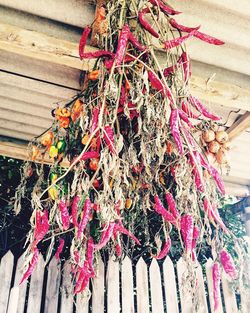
x,y
35,153
62,112
128,203
94,75
93,164
64,122
47,139
85,139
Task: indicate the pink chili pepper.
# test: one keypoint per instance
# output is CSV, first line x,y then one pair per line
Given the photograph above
x,y
216,284
197,175
83,40
105,237
64,214
86,215
83,278
31,267
124,231
196,234
228,264
199,107
186,66
213,214
90,155
97,54
172,205
185,118
208,38
186,108
181,27
109,138
41,227
122,44
164,8
59,249
74,210
172,43
164,251
135,42
174,121
95,114
159,208
187,230
158,85
145,24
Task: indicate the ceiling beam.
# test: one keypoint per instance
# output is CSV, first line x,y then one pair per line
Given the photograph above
x,y
38,46
238,127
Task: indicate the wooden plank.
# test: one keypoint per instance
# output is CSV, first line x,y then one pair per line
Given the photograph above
x,y
13,300
66,290
52,288
201,292
170,286
98,289
241,125
156,287
210,288
23,287
229,295
113,289
6,268
142,287
184,287
36,287
127,286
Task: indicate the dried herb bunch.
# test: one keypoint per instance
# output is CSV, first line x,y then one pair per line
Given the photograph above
x,y
131,138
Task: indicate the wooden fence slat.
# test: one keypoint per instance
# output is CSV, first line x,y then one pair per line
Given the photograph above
x,y
53,285
156,287
127,286
142,287
66,290
6,269
13,300
201,292
209,265
23,287
113,287
170,286
98,289
36,287
185,295
82,302
229,295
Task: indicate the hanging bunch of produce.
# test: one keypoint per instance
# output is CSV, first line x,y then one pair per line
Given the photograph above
x,y
130,140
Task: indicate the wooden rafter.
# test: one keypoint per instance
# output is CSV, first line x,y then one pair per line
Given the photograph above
x,y
241,124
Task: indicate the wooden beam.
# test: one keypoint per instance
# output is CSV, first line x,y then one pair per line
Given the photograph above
x,y
242,124
37,46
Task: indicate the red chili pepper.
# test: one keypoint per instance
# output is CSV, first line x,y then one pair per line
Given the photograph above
x,y
90,155
122,44
216,284
182,28
200,107
64,214
187,229
186,108
185,118
74,210
134,41
83,278
125,231
95,114
159,208
164,250
41,227
228,264
109,138
105,237
97,54
174,126
164,8
213,214
172,205
172,43
31,266
196,234
145,24
170,70
186,66
197,175
86,215
158,85
59,249
83,40
208,38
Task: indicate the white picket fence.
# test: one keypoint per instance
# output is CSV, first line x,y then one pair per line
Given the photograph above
x,y
117,289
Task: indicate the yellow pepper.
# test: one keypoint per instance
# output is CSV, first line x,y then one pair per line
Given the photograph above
x,y
53,152
53,192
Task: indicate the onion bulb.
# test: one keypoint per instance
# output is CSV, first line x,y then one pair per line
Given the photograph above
x,y
208,135
226,146
213,146
221,136
221,156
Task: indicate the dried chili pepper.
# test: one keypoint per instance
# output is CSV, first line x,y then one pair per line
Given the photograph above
x,y
94,123
228,264
208,38
197,175
164,8
105,237
74,210
158,85
172,43
83,40
185,118
64,214
31,266
213,214
41,227
166,248
186,108
174,126
187,229
85,218
172,205
216,284
196,234
145,24
119,227
109,138
134,41
186,66
122,44
182,28
97,54
160,209
59,249
90,155
200,107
